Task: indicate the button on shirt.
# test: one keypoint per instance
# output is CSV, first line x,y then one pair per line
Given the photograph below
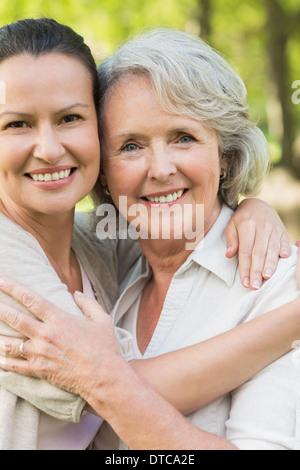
x,y
206,298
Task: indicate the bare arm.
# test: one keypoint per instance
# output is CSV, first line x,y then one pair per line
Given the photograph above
x,y
144,420
211,368
220,364
140,416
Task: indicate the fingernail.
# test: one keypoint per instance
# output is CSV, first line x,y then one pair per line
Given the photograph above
x,y
80,294
246,282
268,273
229,249
284,254
256,284
2,282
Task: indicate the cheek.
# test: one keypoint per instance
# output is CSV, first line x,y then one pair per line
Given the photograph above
x,y
11,166
87,150
206,171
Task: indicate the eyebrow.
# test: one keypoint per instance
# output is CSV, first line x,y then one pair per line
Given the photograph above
x,y
61,111
75,105
170,132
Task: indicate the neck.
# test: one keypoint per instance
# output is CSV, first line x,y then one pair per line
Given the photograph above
x,y
166,256
47,230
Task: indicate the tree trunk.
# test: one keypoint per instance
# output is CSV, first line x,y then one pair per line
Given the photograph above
x,y
204,8
278,34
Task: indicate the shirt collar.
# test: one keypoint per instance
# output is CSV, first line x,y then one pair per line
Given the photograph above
x,y
211,251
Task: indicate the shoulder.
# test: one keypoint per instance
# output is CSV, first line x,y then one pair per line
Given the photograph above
x,y
86,242
16,244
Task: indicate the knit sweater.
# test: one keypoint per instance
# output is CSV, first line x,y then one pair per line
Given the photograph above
x,y
22,259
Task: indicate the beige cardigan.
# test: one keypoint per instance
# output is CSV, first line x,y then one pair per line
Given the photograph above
x,y
22,259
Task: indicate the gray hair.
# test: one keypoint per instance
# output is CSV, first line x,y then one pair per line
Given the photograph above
x,y
192,79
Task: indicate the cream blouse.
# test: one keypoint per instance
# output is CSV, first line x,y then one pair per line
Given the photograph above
x,y
206,298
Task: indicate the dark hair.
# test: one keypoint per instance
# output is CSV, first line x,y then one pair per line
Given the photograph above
x,y
45,35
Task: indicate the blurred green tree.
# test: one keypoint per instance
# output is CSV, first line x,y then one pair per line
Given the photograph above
x,y
260,38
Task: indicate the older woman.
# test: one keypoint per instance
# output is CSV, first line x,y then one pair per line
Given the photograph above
x,y
175,133
49,160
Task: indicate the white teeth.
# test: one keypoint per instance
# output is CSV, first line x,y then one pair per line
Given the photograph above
x,y
167,198
51,176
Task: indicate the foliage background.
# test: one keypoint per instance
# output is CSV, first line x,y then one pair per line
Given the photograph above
x,y
261,39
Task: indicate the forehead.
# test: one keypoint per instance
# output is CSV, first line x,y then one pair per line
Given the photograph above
x,y
133,106
49,74
131,100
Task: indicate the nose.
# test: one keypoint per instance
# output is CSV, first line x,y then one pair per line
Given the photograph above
x,y
47,146
161,165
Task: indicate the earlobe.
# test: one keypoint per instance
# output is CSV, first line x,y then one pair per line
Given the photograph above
x,y
223,174
102,179
223,168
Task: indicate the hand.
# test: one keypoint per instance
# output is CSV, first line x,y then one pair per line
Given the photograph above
x,y
257,233
77,354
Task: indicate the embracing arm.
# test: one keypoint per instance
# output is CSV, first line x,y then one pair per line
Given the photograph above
x,y
211,368
217,366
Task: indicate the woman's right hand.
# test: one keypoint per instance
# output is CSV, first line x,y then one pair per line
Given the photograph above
x,y
77,354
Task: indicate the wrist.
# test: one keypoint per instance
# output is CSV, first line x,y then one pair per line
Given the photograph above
x,y
110,389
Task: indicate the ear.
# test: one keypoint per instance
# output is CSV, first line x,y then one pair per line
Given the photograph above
x,y
223,163
102,178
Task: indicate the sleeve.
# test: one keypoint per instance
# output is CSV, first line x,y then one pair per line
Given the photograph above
x,y
22,259
265,411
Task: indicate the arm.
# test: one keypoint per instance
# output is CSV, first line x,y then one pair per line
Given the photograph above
x,y
141,418
258,235
211,368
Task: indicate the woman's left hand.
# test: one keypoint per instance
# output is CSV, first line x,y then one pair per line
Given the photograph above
x,y
77,354
258,235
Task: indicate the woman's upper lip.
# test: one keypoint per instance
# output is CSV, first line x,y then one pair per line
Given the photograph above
x,y
164,193
50,170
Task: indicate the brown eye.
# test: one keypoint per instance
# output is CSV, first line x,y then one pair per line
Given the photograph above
x,y
17,125
71,118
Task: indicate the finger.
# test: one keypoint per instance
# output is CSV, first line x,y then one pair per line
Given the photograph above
x,y
247,239
38,306
298,242
272,256
19,321
258,261
232,239
90,307
285,246
10,346
18,366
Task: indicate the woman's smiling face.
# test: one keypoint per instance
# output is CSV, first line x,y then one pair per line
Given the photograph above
x,y
49,145
156,159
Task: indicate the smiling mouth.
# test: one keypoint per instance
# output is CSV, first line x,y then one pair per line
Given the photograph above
x,y
170,197
55,176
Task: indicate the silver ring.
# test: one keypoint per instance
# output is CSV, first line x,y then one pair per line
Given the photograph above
x,y
21,350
